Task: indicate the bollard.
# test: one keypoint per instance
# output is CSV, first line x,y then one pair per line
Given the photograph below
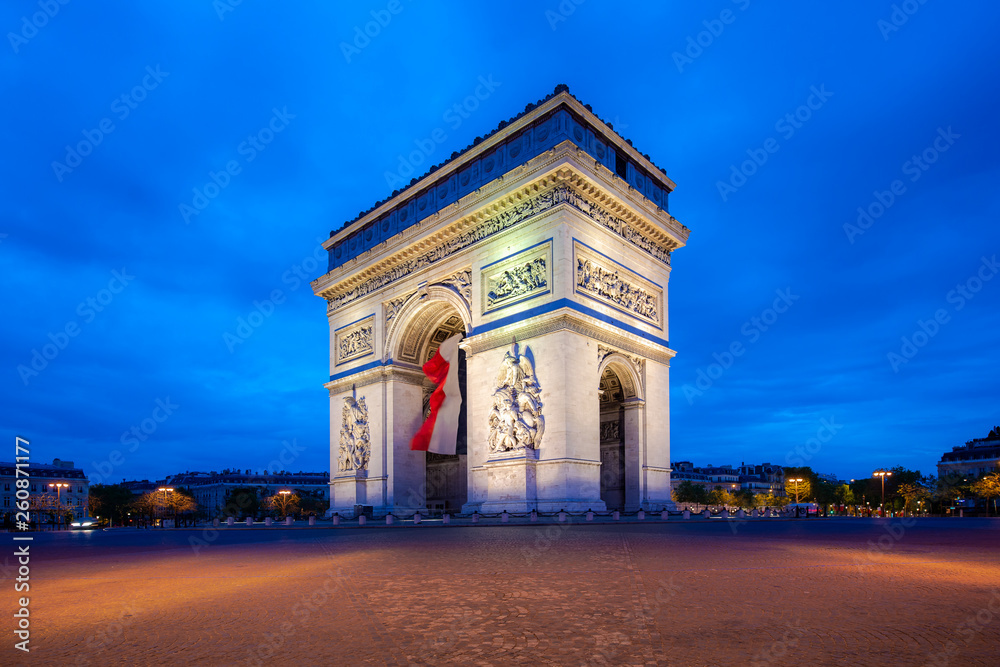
x,y
504,517
336,519
289,521
562,516
389,519
740,514
614,515
687,514
534,515
416,518
312,521
475,517
249,522
724,514
230,521
706,514
446,519
753,514
664,515
215,522
267,521
361,520
590,515
641,515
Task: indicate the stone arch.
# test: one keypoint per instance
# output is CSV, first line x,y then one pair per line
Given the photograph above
x,y
421,314
628,373
622,411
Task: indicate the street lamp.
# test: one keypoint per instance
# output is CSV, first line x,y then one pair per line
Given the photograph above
x,y
165,489
883,474
59,487
284,502
796,480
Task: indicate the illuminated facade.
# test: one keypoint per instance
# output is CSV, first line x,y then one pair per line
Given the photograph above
x,y
73,494
547,244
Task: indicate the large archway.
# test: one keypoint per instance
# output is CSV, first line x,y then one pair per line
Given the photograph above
x,y
442,484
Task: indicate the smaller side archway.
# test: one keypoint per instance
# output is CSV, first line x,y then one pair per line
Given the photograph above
x,y
622,432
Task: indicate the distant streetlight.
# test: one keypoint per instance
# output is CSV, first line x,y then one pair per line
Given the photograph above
x,y
883,474
59,487
797,480
166,490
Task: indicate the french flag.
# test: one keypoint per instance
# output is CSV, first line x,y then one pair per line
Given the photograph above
x,y
439,434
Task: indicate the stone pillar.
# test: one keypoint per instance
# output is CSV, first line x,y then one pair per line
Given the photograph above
x,y
634,429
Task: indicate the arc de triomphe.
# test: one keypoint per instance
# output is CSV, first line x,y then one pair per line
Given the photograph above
x,y
547,244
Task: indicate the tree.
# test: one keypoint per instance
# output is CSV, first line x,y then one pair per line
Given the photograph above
x,y
316,502
744,498
148,506
110,500
798,490
988,486
720,496
283,503
911,493
843,495
181,503
689,492
243,501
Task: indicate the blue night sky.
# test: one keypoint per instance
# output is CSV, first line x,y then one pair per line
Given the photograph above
x,y
98,245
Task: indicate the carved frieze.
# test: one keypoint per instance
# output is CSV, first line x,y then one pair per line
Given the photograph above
x,y
524,275
354,340
355,438
601,278
516,421
501,222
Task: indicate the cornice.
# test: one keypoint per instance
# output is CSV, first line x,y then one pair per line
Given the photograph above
x,y
565,319
601,196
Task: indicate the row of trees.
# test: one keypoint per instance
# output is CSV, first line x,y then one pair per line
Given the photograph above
x,y
689,492
121,506
905,491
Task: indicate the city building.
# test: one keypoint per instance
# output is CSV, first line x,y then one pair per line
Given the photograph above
x,y
72,494
975,457
547,244
828,477
211,489
758,478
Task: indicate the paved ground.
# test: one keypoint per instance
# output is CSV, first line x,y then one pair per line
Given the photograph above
x,y
810,592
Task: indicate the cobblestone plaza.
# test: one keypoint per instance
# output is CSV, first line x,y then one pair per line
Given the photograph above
x,y
816,592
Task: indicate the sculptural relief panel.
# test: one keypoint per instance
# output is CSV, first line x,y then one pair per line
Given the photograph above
x,y
519,277
354,340
601,278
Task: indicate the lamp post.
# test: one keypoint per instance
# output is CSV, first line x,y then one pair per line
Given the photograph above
x,y
165,489
59,487
883,474
284,502
796,480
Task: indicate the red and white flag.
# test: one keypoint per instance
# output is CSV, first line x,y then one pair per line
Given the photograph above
x,y
439,434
